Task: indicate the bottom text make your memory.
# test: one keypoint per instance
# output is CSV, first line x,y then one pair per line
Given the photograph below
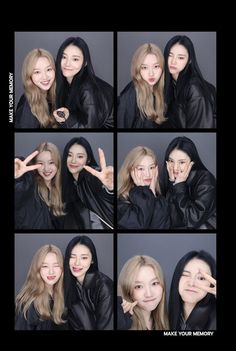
x,y
188,333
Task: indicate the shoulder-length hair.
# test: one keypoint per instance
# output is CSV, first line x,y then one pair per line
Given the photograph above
x,y
68,191
175,301
37,98
125,181
191,69
144,94
35,291
70,280
126,284
68,95
55,200
186,145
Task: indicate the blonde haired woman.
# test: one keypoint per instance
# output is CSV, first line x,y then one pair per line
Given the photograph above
x,y
140,203
38,200
40,303
141,103
35,107
141,280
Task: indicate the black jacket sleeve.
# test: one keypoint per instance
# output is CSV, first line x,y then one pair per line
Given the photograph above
x,y
95,197
93,111
24,188
138,212
192,202
198,109
124,320
24,117
127,107
93,309
32,321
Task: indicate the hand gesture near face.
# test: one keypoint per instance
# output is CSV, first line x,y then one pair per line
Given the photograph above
x,y
182,175
21,166
128,306
61,114
211,280
106,175
137,177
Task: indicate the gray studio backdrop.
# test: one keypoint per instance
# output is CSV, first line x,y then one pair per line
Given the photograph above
x,y
26,246
158,142
100,45
167,249
127,43
25,143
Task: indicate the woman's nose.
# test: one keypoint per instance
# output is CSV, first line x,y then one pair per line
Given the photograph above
x,y
191,281
176,166
147,292
147,172
151,72
51,270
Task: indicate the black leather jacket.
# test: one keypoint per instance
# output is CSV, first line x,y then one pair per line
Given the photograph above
x,y
94,197
85,112
190,108
124,320
143,210
193,202
94,307
24,117
128,113
201,318
35,322
31,212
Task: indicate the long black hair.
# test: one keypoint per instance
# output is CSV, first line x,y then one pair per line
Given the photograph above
x,y
186,145
69,279
191,70
175,301
68,191
68,95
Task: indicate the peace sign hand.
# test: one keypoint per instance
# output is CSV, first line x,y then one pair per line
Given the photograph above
x,y
211,280
21,166
106,175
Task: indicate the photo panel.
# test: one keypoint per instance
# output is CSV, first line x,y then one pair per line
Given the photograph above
x,y
61,193
183,259
74,69
86,269
182,169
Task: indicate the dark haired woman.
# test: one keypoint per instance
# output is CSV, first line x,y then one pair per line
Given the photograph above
x,y
192,303
88,292
87,189
189,187
88,98
190,99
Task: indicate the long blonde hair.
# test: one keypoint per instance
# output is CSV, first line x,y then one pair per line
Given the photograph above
x,y
37,98
144,93
34,289
126,284
125,181
54,201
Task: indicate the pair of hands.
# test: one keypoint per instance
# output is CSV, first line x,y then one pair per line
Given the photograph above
x,y
211,280
137,177
61,114
182,176
106,175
